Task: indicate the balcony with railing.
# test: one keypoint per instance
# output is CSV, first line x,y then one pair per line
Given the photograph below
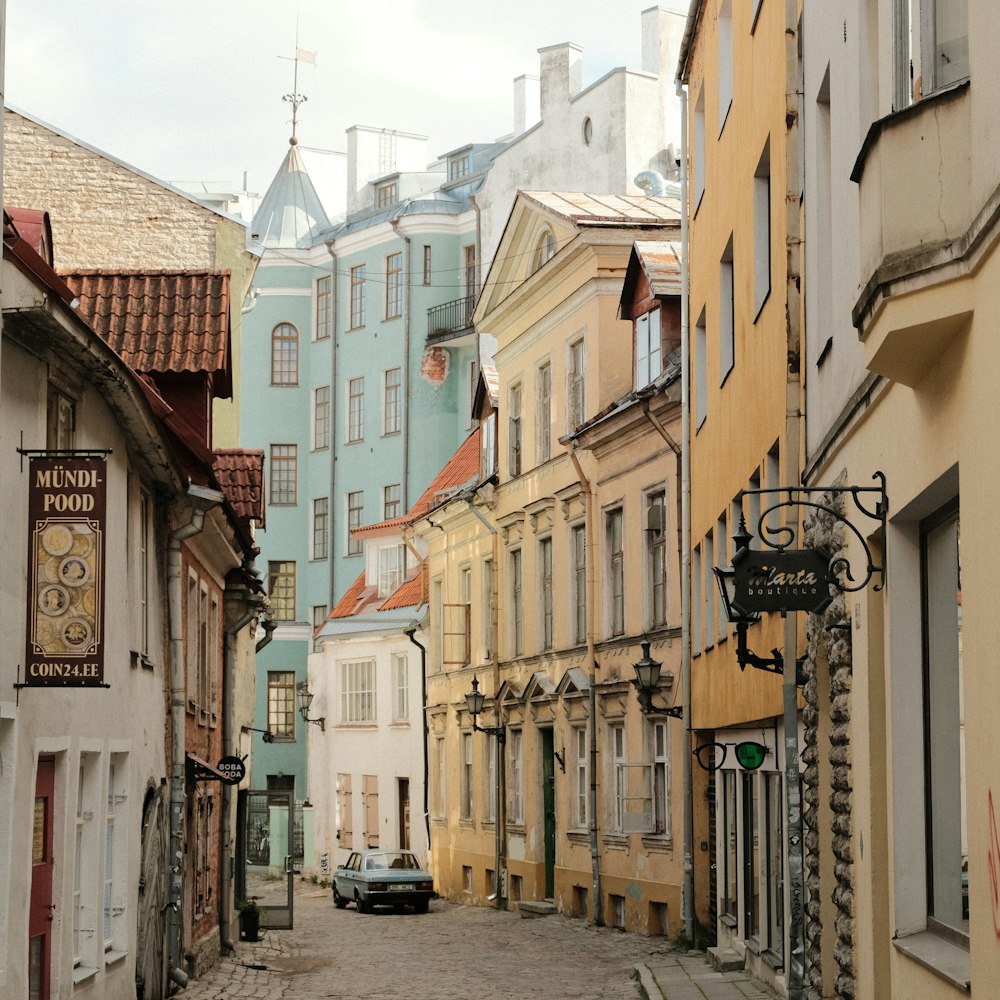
x,y
450,319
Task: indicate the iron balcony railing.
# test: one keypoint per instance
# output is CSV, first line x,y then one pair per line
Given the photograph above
x,y
450,317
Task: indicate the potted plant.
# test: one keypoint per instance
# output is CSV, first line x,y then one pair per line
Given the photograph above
x,y
249,919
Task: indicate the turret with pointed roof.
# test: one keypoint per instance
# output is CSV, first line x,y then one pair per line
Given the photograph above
x,y
291,213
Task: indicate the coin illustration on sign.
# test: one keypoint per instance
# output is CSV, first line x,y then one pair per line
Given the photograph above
x,y
76,633
57,539
74,571
53,600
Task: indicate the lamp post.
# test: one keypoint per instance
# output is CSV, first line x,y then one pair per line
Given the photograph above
x,y
647,679
305,697
475,702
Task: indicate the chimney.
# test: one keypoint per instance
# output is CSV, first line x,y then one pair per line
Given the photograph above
x,y
662,31
527,107
562,75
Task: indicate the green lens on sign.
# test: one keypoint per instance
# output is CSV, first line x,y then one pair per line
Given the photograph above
x,y
750,755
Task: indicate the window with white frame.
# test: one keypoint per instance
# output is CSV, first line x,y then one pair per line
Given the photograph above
x,y
284,355
660,734
400,688
932,47
488,626
729,883
357,691
427,264
469,284
392,501
762,228
581,778
515,777
725,72
281,704
465,804
324,310
391,568
545,588
284,474
616,736
615,541
459,166
321,417
648,350
386,194
543,413
727,314
392,401
355,512
576,403
60,419
545,249
656,557
204,808
86,854
141,570
115,895
320,527
281,589
358,296
319,613
516,603
700,370
578,535
488,463
355,409
394,285
490,791
514,431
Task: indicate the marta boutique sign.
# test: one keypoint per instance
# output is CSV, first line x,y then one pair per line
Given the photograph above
x,y
66,525
790,580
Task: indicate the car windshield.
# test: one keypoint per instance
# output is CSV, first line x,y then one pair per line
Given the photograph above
x,y
391,859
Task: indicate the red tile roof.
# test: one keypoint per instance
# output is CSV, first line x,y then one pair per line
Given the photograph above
x,y
161,321
409,594
240,474
34,227
350,602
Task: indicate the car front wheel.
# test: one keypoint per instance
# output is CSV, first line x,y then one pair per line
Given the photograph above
x,y
338,900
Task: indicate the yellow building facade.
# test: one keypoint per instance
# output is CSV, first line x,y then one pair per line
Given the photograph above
x,y
546,579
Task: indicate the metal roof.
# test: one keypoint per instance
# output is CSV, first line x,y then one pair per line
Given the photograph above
x,y
290,213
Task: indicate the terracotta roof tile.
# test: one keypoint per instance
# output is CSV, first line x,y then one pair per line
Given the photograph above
x,y
409,594
354,596
160,321
240,474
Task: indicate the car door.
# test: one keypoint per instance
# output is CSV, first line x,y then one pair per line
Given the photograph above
x,y
347,877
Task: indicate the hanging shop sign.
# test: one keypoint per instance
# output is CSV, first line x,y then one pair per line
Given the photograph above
x,y
66,525
789,580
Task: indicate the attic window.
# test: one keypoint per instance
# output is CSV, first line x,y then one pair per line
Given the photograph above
x,y
386,194
588,130
459,167
545,249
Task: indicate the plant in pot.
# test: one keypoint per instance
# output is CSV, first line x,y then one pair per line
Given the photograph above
x,y
249,919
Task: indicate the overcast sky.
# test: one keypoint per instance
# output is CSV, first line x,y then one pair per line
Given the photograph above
x,y
191,90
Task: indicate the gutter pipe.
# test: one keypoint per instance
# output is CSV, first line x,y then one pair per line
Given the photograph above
x,y
406,364
410,634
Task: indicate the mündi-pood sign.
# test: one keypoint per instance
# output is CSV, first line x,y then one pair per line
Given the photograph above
x,y
66,524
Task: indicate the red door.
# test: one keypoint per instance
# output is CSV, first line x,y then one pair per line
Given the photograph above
x,y
40,911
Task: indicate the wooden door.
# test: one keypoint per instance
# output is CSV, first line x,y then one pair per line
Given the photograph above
x,y
41,906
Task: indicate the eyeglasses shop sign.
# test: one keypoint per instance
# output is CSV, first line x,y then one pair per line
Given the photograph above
x,y
793,580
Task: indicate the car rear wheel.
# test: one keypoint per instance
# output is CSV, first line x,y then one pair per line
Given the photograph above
x,y
421,905
338,900
363,905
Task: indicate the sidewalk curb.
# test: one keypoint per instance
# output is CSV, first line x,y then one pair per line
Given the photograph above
x,y
646,983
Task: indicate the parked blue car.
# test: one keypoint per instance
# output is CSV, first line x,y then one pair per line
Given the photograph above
x,y
382,878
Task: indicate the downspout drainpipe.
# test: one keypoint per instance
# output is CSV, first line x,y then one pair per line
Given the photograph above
x,y
178,695
410,634
334,409
406,364
229,746
688,909
588,514
500,889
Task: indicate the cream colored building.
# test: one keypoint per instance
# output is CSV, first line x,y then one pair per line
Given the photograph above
x,y
543,585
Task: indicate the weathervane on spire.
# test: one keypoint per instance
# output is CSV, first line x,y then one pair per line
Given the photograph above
x,y
295,99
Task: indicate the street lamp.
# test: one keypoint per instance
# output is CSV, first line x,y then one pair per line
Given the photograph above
x,y
647,678
305,697
476,701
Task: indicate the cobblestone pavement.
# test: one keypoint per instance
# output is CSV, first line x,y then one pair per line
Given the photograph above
x,y
451,952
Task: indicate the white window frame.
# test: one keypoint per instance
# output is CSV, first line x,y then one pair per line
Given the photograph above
x,y
320,548
400,688
356,409
391,568
543,413
392,401
581,778
515,777
357,691
321,417
576,389
648,349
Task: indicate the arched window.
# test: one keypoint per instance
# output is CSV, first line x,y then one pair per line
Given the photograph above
x,y
545,249
284,355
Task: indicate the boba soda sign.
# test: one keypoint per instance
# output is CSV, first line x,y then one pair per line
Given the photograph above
x,y
65,619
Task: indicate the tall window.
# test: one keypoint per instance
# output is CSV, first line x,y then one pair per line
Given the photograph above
x,y
386,194
392,401
762,228
319,612
466,799
944,721
943,59
545,580
727,314
60,425
392,501
427,264
400,688
357,691
320,527
321,417
543,413
656,557
355,510
490,796
545,249
517,605
394,285
281,589
648,353
514,430
751,855
725,83
661,778
489,635
698,154
575,394
324,311
115,853
355,409
469,269
581,777
773,925
284,474
358,296
488,465
515,778
730,858
700,371
616,572
579,541
616,734
391,568
281,704
284,355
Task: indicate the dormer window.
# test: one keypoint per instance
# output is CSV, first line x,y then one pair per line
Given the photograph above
x,y
391,568
545,249
459,167
489,445
386,194
648,350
